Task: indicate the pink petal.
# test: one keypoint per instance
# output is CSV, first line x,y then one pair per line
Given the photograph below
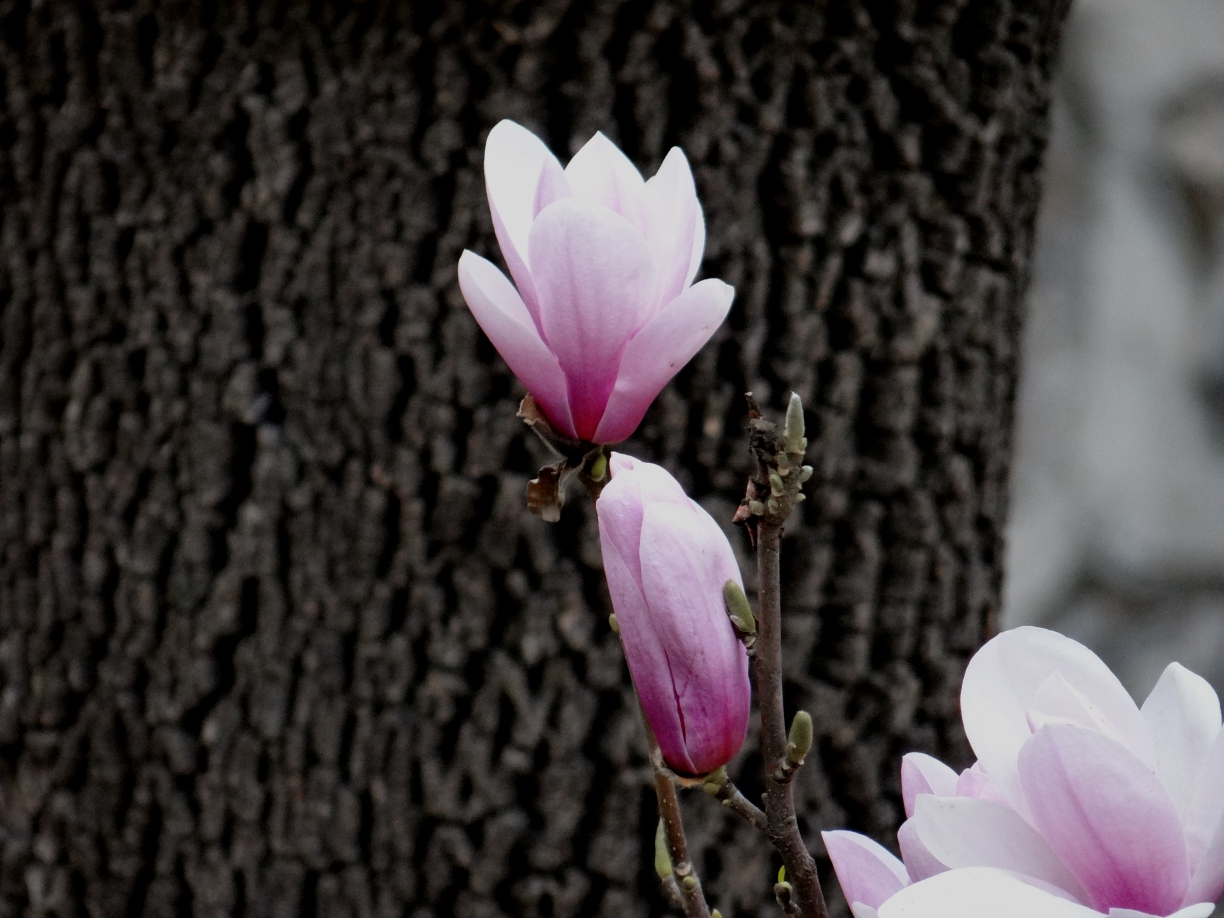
x,y
868,873
501,314
1001,683
600,172
1207,881
919,862
673,215
1107,817
979,892
594,276
552,187
1183,715
686,559
659,351
924,774
620,505
966,832
644,653
514,160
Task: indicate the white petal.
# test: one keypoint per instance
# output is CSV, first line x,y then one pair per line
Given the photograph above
x,y
966,832
1183,715
1001,683
924,774
979,892
600,172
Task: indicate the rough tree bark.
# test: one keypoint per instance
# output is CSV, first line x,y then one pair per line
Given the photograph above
x,y
277,636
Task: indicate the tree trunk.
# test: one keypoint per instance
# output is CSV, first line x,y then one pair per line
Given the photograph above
x,y
277,634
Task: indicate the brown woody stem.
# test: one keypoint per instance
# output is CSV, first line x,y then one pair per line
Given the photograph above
x,y
767,666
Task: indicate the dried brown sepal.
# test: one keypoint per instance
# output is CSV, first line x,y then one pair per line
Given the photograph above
x,y
545,494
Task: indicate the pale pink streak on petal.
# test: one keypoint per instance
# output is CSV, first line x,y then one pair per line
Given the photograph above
x,y
600,172
924,774
967,832
1107,816
673,213
648,664
980,892
685,560
867,871
919,862
501,314
514,159
659,351
1183,715
594,276
1001,683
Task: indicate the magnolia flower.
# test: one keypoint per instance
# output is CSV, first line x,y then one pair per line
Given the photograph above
x,y
666,562
1080,804
603,314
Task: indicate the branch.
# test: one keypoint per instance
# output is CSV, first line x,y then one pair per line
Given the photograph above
x,y
693,899
721,788
771,496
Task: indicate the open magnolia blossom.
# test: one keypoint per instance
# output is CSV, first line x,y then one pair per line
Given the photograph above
x,y
1080,804
667,562
603,311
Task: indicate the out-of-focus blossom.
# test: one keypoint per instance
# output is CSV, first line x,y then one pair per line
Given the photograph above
x,y
1080,803
666,562
603,310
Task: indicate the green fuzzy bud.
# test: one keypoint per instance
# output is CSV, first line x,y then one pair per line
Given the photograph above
x,y
689,882
663,864
738,609
782,874
794,425
799,741
756,507
805,473
613,623
776,486
599,467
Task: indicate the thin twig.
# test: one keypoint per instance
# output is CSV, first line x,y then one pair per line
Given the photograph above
x,y
730,797
767,666
694,903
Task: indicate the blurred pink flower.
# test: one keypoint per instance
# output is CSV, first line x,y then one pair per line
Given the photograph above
x,y
605,312
1080,803
666,562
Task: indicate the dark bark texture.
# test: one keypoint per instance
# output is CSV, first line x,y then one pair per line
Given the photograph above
x,y
277,635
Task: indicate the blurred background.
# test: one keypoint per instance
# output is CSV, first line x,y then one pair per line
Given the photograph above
x,y
1117,533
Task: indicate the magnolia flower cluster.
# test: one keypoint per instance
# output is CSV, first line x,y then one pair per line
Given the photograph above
x,y
1081,804
603,310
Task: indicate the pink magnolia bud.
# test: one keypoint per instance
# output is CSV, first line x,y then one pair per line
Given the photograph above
x,y
603,314
666,562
